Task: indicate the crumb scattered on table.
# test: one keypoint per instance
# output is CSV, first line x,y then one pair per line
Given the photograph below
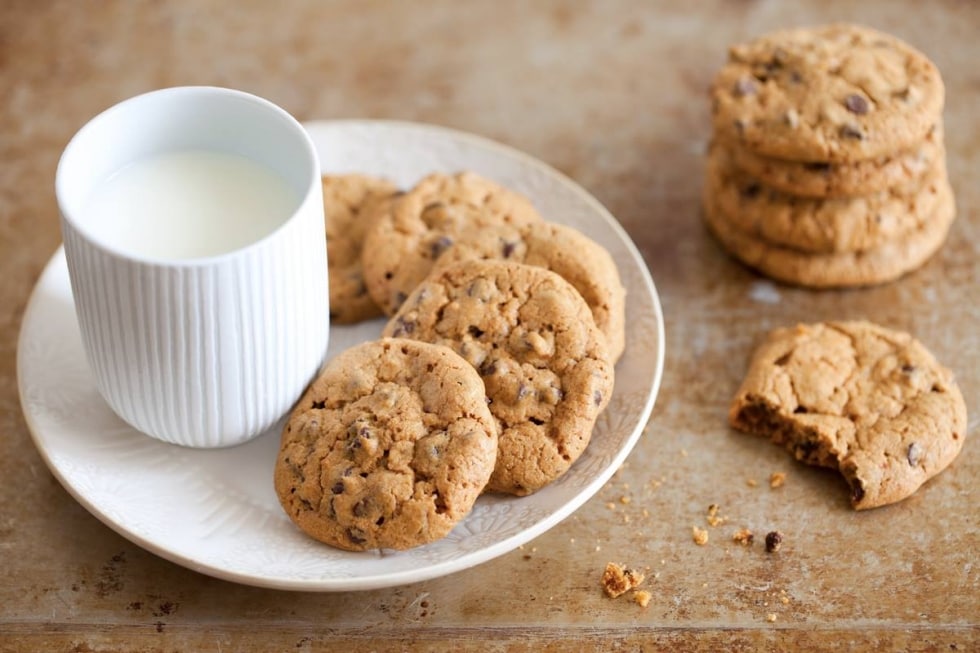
x,y
713,518
743,536
618,579
776,479
699,535
774,540
642,598
751,482
771,617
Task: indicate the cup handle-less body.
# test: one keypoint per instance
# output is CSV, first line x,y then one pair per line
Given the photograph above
x,y
202,352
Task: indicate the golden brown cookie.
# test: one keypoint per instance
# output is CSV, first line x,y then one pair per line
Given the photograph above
x,y
822,226
819,180
403,243
388,448
350,204
576,258
868,401
833,93
885,262
532,338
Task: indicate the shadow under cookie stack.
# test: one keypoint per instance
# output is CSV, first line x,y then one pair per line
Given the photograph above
x,y
827,166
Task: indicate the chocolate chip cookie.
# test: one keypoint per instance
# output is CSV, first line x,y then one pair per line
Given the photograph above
x,y
884,262
576,258
388,448
868,401
834,93
819,179
350,204
404,242
822,226
534,342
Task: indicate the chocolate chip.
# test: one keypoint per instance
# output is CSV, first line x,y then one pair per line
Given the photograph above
x,y
857,492
508,249
475,331
752,190
799,410
856,104
338,487
356,535
774,540
535,421
400,298
817,166
745,86
488,367
360,508
523,391
597,397
914,454
403,327
850,131
908,368
440,245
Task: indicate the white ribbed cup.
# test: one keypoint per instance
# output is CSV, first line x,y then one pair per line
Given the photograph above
x,y
202,352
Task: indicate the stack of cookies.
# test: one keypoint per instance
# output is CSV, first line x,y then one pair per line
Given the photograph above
x,y
827,166
490,374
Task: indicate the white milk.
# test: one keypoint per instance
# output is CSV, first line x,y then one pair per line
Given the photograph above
x,y
188,204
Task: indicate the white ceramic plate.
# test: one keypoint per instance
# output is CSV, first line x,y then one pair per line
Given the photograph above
x,y
215,511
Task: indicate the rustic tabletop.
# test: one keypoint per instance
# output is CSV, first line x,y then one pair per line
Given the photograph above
x,y
614,95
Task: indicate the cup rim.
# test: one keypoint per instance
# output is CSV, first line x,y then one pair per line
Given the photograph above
x,y
309,150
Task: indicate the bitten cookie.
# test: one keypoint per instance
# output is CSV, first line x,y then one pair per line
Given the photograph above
x,y
823,226
818,179
578,259
350,204
544,362
405,241
885,262
388,448
866,400
833,93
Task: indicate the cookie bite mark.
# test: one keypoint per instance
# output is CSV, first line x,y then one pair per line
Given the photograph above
x,y
867,401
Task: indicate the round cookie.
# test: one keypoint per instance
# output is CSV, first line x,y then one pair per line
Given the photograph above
x,y
836,180
350,203
822,226
833,93
854,396
576,258
403,243
389,448
543,361
885,262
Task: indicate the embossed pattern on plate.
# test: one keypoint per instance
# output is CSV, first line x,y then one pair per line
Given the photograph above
x,y
215,511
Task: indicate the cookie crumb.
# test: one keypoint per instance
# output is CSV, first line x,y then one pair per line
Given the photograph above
x,y
771,617
774,540
751,482
642,598
776,479
713,518
743,536
624,500
617,579
699,535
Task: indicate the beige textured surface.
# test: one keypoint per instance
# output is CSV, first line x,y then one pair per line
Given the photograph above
x,y
615,95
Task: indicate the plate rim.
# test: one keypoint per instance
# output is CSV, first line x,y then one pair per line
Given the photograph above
x,y
409,575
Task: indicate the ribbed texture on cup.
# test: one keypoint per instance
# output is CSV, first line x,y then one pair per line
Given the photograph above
x,y
205,355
